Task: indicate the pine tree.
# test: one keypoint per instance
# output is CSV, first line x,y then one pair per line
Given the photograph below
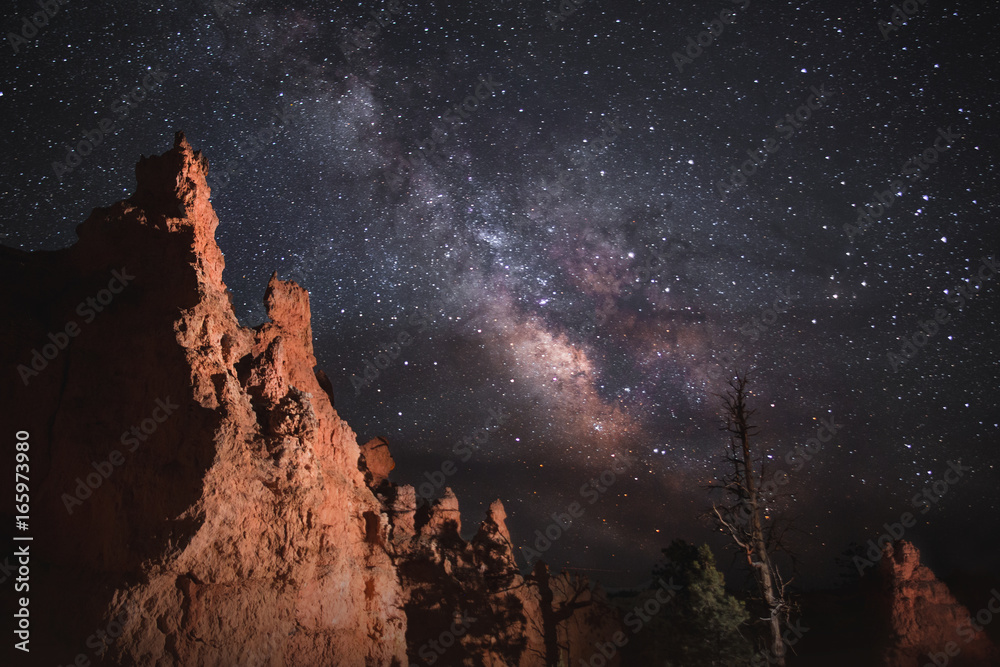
x,y
700,626
703,627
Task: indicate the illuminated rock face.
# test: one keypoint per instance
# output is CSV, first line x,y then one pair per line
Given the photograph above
x,y
924,617
237,532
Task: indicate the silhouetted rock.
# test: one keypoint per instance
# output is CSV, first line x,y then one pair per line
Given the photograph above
x,y
467,602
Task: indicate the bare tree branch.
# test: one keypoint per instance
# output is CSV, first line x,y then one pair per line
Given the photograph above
x,y
742,515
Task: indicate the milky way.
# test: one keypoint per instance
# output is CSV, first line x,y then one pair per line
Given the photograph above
x,y
565,219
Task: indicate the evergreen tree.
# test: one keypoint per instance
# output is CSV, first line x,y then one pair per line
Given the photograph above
x,y
707,619
700,626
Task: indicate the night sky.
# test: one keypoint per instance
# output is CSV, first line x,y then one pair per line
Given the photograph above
x,y
570,247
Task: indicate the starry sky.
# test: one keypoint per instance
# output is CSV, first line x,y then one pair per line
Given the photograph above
x,y
540,209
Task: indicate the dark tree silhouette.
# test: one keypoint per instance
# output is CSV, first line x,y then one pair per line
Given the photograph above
x,y
700,627
739,514
555,613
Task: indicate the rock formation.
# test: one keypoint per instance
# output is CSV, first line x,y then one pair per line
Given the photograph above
x,y
376,462
197,500
923,617
231,527
467,602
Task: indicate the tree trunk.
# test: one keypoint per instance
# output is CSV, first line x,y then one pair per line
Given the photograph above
x,y
550,624
757,556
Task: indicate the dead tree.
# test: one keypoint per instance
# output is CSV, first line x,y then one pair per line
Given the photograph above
x,y
739,514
